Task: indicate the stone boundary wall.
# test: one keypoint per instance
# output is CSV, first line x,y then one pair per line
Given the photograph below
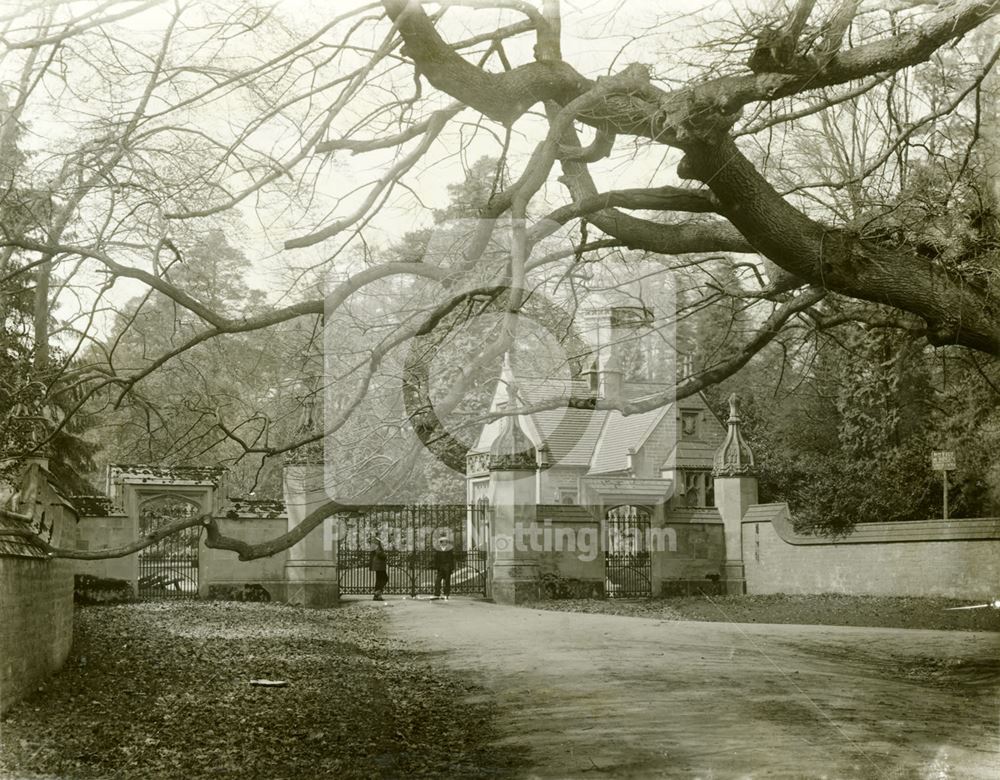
x,y
36,592
36,623
220,570
577,552
688,558
107,532
216,568
957,558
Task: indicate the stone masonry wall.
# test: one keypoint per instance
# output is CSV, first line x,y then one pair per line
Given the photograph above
x,y
952,558
36,623
223,567
101,533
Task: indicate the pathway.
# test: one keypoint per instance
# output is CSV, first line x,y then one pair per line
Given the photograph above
x,y
601,696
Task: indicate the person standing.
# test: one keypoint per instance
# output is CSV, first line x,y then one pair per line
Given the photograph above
x,y
444,565
379,563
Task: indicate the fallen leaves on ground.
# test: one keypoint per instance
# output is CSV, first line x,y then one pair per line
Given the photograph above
x,y
827,610
162,690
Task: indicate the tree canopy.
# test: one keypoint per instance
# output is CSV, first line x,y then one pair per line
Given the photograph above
x,y
807,174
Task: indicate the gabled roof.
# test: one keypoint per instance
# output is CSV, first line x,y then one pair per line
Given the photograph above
x,y
38,490
620,435
571,434
597,440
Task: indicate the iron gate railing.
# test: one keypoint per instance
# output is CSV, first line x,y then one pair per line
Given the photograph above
x,y
408,534
169,568
628,565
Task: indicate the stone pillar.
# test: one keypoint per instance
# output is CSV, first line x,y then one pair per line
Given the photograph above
x,y
735,493
311,568
513,466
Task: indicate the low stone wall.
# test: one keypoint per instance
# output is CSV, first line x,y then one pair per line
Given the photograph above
x,y
952,558
221,573
688,549
104,533
698,550
571,561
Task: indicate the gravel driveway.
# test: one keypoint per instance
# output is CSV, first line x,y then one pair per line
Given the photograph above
x,y
594,696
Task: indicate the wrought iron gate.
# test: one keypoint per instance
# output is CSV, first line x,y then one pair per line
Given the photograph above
x,y
169,568
408,534
628,566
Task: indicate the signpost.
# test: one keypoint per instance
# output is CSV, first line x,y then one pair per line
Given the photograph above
x,y
943,461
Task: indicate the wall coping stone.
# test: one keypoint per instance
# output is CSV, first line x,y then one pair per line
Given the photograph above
x,y
934,530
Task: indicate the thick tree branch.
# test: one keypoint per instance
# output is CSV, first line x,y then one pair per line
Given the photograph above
x,y
637,233
500,96
667,117
956,310
697,119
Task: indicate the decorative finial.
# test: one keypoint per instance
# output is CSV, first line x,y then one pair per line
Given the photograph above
x,y
734,458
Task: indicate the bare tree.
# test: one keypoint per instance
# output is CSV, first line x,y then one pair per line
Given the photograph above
x,y
782,142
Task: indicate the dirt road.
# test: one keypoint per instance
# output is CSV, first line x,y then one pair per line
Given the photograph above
x,y
595,696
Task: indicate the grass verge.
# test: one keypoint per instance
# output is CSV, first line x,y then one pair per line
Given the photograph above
x,y
827,610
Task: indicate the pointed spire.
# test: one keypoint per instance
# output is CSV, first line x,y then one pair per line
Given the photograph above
x,y
507,379
512,450
734,458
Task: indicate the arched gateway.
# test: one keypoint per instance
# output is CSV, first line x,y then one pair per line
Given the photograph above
x,y
154,497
